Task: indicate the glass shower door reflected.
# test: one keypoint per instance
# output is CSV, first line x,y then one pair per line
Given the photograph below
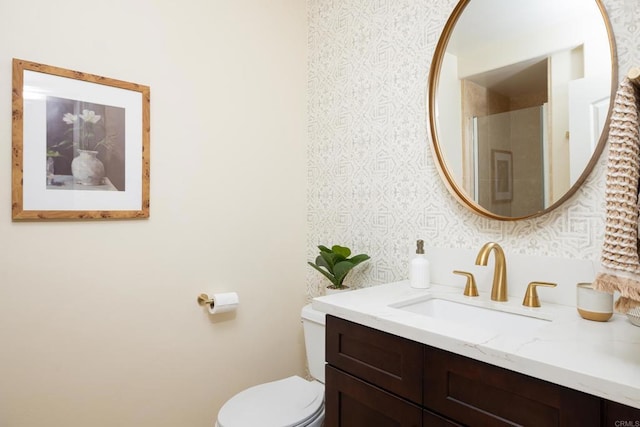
x,y
508,159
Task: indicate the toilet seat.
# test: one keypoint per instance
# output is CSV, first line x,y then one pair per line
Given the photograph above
x,y
290,402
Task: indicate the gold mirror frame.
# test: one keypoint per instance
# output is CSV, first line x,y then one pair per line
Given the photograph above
x,y
434,78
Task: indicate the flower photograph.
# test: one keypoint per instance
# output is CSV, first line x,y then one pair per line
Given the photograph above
x,y
80,145
85,145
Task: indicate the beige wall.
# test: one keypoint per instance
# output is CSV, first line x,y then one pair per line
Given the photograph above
x,y
99,324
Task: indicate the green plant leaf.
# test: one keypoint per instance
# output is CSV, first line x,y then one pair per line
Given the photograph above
x,y
341,250
320,262
337,258
359,258
331,259
324,249
325,274
341,269
328,259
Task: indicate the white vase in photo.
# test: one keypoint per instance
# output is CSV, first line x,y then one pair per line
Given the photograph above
x,y
87,169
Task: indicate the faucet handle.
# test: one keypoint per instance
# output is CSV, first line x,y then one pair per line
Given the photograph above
x,y
531,296
470,289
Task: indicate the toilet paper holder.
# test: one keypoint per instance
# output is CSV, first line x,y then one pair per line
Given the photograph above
x,y
219,302
203,299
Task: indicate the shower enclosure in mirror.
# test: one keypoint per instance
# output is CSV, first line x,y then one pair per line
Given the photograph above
x,y
534,79
508,161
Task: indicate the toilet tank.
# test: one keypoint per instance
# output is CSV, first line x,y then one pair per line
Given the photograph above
x,y
313,322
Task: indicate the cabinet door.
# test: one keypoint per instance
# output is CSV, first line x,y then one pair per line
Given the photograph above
x,y
350,402
618,415
388,361
477,393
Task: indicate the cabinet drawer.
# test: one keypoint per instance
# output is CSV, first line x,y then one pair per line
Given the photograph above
x,y
477,393
387,361
350,402
429,419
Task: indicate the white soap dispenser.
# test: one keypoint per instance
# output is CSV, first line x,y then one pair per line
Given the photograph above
x,y
419,275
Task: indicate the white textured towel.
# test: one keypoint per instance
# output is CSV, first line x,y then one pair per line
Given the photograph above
x,y
620,260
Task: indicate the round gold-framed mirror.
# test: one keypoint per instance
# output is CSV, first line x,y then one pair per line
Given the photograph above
x,y
520,96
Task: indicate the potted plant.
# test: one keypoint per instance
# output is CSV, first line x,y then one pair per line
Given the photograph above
x,y
335,264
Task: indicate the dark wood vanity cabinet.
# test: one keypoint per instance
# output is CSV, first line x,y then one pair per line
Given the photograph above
x,y
376,379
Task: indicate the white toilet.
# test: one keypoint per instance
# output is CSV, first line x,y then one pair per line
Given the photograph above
x,y
291,402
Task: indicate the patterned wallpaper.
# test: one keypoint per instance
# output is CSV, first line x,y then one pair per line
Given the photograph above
x,y
373,184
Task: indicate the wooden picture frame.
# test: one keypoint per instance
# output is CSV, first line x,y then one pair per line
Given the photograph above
x,y
63,121
501,175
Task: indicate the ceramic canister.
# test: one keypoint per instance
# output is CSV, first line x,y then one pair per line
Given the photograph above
x,y
593,304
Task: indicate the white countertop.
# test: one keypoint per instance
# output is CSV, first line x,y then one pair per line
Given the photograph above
x,y
599,358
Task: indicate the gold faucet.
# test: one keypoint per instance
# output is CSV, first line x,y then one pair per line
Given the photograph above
x,y
531,296
499,288
470,289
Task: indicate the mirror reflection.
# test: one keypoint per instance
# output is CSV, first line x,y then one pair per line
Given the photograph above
x,y
519,98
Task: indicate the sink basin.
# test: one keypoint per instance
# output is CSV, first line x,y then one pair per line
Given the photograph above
x,y
475,316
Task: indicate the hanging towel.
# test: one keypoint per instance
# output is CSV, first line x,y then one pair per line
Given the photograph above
x,y
620,269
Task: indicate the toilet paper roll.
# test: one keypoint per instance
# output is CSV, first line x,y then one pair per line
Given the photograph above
x,y
224,302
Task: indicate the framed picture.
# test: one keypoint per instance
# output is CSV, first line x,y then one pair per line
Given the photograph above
x,y
80,145
501,175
